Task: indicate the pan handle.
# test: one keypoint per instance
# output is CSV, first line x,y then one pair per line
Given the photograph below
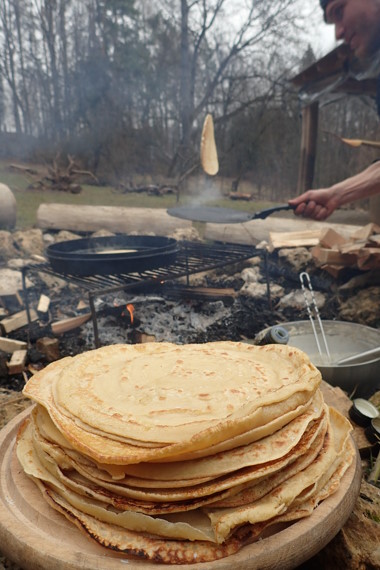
x,y
265,213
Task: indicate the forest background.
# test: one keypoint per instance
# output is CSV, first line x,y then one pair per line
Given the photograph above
x,y
124,86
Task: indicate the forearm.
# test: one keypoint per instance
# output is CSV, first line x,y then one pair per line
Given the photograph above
x,y
362,185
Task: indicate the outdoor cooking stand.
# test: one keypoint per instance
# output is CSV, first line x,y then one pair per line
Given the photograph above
x,y
191,258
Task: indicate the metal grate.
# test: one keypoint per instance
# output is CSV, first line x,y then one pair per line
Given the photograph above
x,y
191,258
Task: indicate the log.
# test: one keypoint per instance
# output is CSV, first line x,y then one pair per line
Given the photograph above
x,y
65,325
79,218
17,363
49,347
303,238
9,345
17,321
43,305
256,231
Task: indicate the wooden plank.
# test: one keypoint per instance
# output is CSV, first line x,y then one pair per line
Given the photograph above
x,y
303,238
9,345
17,363
17,320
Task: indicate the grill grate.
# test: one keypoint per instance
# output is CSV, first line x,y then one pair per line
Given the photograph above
x,y
191,258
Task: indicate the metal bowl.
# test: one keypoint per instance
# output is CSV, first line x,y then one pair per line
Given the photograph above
x,y
344,339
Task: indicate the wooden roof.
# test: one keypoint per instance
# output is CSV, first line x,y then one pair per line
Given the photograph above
x,y
328,74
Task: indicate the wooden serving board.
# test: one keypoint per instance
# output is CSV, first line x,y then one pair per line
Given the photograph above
x,y
36,537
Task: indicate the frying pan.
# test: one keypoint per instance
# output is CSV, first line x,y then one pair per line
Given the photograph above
x,y
111,255
214,214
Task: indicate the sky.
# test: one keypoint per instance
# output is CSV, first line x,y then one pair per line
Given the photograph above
x,y
321,35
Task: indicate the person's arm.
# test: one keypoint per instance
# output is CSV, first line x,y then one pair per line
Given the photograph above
x,y
319,204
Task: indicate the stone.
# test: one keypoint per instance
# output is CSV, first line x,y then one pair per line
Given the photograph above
x,y
363,308
357,545
259,290
296,300
29,242
7,248
8,207
10,282
300,258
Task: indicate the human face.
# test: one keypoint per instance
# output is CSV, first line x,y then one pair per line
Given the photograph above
x,y
357,22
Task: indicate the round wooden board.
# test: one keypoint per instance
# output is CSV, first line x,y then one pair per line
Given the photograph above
x,y
38,538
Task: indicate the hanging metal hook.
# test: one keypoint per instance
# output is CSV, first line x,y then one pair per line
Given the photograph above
x,y
313,313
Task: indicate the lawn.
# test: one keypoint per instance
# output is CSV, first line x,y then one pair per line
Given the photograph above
x,y
29,200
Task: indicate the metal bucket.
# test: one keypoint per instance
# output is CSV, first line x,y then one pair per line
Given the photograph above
x,y
344,339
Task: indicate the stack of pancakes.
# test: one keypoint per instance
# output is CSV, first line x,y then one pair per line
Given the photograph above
x,y
183,454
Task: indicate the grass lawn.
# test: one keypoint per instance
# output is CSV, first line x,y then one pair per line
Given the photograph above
x,y
29,200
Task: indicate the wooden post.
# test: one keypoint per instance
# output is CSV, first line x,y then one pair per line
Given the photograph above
x,y
308,147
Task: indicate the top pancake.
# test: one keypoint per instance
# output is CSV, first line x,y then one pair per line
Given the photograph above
x,y
209,154
161,393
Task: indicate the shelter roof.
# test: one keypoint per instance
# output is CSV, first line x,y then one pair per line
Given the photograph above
x,y
337,72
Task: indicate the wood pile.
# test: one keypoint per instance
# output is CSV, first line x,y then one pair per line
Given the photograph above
x,y
361,250
333,251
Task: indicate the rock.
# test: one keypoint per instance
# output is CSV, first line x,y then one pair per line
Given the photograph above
x,y
29,242
363,308
296,300
300,258
65,235
8,207
10,282
188,234
251,275
7,248
259,290
357,545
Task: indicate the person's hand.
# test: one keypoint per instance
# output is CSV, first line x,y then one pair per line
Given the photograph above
x,y
315,204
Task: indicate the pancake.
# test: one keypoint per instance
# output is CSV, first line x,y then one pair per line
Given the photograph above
x,y
267,392
182,454
208,152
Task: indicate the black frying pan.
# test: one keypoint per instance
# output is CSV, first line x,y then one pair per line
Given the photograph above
x,y
216,215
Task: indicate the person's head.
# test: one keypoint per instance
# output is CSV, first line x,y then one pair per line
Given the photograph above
x,y
357,22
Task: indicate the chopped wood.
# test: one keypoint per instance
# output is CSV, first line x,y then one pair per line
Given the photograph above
x,y
365,232
82,305
332,257
334,270
49,347
17,321
303,238
12,301
3,312
142,338
353,247
17,363
65,325
43,304
375,239
9,345
330,239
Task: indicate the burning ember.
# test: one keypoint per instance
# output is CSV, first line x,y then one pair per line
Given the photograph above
x,y
130,308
